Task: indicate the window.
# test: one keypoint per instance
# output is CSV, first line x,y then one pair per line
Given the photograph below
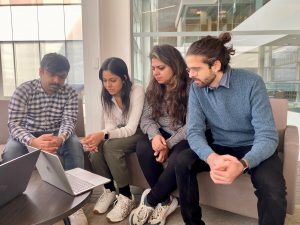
x,y
265,36
30,29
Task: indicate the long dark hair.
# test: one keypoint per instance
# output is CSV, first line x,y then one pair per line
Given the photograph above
x,y
213,48
177,96
119,68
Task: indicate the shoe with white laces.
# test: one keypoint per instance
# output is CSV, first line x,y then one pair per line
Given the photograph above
x,y
140,215
104,201
121,209
78,218
161,212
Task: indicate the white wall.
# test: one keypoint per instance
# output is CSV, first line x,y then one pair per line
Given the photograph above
x,y
106,33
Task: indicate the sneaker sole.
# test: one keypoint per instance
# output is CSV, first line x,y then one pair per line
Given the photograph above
x,y
95,211
111,221
99,213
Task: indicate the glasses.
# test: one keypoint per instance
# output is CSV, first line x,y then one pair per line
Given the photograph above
x,y
193,70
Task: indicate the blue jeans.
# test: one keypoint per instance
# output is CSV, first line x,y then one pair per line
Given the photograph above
x,y
71,151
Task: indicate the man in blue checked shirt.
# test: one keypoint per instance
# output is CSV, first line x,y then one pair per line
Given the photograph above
x,y
43,114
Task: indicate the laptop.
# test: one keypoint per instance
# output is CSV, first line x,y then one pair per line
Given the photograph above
x,y
74,182
15,175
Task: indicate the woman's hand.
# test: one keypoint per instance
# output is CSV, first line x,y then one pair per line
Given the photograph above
x,y
158,143
91,141
162,155
160,148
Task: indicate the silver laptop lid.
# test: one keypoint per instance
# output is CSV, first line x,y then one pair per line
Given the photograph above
x,y
74,181
51,171
15,175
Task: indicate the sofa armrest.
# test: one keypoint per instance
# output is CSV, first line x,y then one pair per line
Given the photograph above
x,y
290,162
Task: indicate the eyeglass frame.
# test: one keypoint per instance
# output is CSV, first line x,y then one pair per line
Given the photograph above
x,y
196,70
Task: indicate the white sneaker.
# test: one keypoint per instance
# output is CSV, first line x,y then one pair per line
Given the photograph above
x,y
140,215
78,218
161,212
121,209
104,201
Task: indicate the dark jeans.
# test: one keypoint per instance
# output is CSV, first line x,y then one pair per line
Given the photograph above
x,y
267,179
161,180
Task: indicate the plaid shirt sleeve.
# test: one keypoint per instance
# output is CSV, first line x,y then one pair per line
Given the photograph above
x,y
17,111
69,118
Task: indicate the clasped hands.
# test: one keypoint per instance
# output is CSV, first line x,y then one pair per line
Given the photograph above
x,y
47,142
160,148
224,169
91,141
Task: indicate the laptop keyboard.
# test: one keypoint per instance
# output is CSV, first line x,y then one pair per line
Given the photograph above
x,y
78,185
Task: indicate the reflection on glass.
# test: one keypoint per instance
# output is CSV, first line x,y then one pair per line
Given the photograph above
x,y
38,27
75,53
267,47
27,61
5,24
4,2
47,47
51,25
24,22
73,22
8,70
40,2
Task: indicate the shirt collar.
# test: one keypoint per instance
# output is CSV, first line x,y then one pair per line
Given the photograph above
x,y
226,77
39,88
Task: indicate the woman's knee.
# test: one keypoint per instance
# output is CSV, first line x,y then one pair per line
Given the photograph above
x,y
144,149
94,158
184,160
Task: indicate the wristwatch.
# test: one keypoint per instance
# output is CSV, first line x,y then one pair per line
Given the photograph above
x,y
245,166
106,136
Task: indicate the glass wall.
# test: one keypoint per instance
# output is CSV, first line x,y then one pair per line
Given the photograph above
x,y
266,36
32,28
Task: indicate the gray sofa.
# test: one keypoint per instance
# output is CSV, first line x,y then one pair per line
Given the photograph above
x,y
238,197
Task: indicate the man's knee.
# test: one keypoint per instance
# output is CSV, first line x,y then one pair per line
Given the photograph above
x,y
13,149
269,182
184,160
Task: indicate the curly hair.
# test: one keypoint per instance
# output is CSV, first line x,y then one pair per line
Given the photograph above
x,y
119,68
213,48
177,95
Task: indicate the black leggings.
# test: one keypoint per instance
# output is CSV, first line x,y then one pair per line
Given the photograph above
x,y
161,180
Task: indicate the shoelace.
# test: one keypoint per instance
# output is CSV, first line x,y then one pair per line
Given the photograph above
x,y
120,205
157,212
103,197
143,213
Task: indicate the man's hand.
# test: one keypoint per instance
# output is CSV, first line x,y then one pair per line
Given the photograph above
x,y
91,141
47,142
224,169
